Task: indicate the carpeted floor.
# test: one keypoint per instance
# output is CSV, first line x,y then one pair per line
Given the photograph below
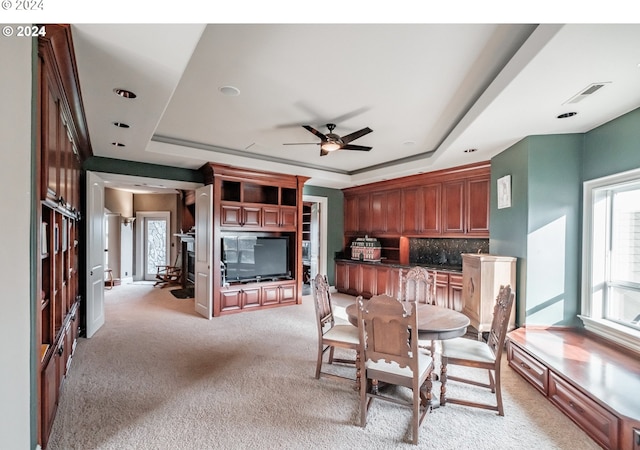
x,y
159,376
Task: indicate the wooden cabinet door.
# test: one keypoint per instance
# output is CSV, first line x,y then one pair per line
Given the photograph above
x,y
230,216
455,292
270,295
351,223
250,297
453,211
51,139
354,279
288,293
341,277
288,217
442,289
251,216
412,210
431,209
378,217
364,214
394,218
49,397
385,212
230,300
271,216
477,200
369,283
383,275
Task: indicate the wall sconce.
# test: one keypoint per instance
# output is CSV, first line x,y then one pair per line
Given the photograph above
x,y
128,220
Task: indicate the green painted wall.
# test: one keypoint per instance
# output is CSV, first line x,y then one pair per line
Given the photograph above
x,y
335,223
543,228
508,234
613,147
121,167
554,231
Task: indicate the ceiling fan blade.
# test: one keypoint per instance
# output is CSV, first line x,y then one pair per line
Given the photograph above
x,y
355,135
314,131
356,147
301,143
323,152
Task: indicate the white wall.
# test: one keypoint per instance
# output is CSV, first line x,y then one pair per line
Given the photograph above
x,y
15,299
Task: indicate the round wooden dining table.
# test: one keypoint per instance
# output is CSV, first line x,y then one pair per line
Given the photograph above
x,y
435,323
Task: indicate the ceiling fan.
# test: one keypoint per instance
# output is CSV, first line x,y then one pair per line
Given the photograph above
x,y
331,142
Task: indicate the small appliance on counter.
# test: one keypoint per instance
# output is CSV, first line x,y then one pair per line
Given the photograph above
x,y
366,249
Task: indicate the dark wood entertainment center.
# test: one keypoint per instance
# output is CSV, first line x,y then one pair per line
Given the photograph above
x,y
255,203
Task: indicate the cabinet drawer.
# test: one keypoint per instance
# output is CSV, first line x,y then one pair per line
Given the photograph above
x,y
527,366
596,421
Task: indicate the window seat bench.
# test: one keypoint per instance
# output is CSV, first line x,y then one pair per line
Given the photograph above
x,y
595,383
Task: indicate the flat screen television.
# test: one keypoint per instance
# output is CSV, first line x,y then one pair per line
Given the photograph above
x,y
249,258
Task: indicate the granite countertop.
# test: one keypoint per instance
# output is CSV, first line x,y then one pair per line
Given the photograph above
x,y
439,268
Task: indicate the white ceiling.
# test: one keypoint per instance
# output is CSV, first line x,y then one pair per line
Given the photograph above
x,y
429,92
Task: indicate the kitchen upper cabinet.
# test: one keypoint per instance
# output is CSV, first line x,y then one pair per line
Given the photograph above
x,y
453,220
385,212
477,200
421,211
465,206
447,203
357,214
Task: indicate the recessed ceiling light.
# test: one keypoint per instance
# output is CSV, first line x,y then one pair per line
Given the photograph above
x,y
231,91
565,115
121,125
471,150
117,144
124,93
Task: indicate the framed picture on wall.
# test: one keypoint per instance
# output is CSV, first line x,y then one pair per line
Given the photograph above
x,y
504,192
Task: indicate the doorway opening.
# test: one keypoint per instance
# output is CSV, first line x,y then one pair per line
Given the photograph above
x,y
314,240
153,242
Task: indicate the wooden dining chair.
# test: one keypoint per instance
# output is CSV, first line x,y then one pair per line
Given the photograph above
x,y
332,335
389,354
419,285
479,354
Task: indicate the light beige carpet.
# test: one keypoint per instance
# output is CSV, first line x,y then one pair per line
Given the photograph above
x,y
158,376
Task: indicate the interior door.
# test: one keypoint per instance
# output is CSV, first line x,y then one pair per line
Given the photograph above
x,y
95,253
204,251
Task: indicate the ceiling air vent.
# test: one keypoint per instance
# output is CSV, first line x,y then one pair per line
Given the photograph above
x,y
589,90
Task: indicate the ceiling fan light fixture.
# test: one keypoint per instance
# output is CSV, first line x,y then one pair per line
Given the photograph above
x,y
330,146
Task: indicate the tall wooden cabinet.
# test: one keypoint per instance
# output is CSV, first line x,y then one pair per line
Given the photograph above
x,y
62,143
253,203
482,276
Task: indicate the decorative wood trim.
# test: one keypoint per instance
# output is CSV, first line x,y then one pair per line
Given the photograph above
x,y
468,170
